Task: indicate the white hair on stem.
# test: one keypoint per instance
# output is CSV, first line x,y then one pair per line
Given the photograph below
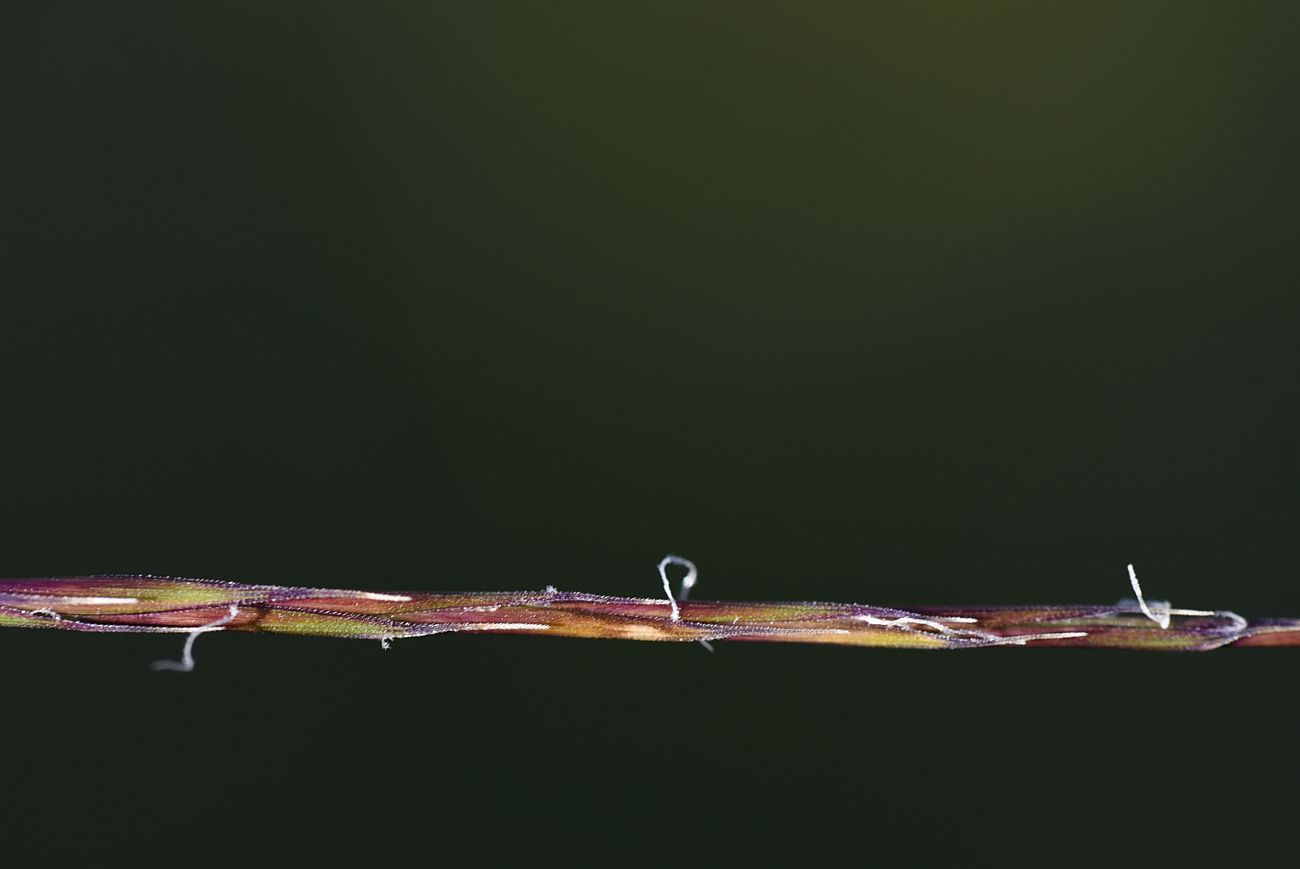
x,y
186,663
688,582
1161,613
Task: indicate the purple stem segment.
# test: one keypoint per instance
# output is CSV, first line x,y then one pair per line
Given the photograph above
x,y
148,604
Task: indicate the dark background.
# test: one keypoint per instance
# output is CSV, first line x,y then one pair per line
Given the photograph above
x,y
920,303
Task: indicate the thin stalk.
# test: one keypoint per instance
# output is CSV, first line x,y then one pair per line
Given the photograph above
x,y
149,604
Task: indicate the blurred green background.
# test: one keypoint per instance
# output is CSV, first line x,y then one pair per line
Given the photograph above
x,y
893,303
